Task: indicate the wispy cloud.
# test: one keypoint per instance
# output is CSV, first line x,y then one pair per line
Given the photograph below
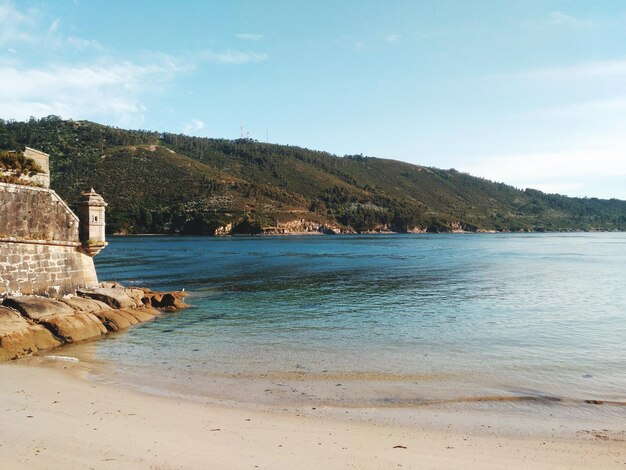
x,y
101,86
82,43
393,38
579,71
561,20
606,107
193,126
233,57
565,172
250,36
16,26
28,27
558,18
80,91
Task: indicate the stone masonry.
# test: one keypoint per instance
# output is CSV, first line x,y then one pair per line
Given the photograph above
x,y
41,252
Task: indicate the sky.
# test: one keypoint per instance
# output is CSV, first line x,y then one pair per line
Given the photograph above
x,y
530,93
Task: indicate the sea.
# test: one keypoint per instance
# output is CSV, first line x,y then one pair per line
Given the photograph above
x,y
403,320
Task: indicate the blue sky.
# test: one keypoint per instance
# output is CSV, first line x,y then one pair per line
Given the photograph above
x,y
531,93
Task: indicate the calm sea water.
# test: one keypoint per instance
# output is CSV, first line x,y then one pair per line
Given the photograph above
x,y
389,319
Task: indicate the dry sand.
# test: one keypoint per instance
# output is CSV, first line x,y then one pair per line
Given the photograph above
x,y
55,419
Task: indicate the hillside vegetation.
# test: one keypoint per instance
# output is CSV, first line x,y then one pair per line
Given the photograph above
x,y
171,183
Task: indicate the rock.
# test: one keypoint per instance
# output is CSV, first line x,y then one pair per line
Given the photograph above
x,y
114,320
141,314
77,327
111,285
113,297
107,285
83,304
127,316
167,301
154,298
171,300
30,323
36,308
137,295
20,338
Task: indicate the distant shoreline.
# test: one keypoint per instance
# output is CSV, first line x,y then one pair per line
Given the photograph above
x,y
454,232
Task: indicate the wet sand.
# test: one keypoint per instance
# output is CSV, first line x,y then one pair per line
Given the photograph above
x,y
54,418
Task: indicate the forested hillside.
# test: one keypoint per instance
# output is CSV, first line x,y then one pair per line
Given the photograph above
x,y
171,183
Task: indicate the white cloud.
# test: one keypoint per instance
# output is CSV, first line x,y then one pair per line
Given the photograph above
x,y
29,27
250,36
81,43
54,27
581,71
575,172
193,126
605,107
558,18
233,57
393,38
109,89
15,26
99,87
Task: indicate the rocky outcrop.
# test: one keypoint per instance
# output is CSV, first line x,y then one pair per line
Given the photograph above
x,y
304,227
21,337
31,323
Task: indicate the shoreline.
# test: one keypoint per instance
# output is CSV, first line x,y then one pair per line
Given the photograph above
x,y
357,234
176,432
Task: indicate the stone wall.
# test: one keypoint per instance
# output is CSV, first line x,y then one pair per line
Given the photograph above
x,y
32,213
44,269
39,248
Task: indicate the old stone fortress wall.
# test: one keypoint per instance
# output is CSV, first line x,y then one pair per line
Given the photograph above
x,y
49,291
45,248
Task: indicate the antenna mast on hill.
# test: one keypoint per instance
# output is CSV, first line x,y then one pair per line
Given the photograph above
x,y
241,130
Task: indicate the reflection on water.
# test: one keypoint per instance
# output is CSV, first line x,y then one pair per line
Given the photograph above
x,y
393,318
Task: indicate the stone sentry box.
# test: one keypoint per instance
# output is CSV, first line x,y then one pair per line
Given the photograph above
x,y
91,211
45,249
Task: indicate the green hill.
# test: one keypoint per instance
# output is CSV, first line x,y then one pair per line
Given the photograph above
x,y
171,183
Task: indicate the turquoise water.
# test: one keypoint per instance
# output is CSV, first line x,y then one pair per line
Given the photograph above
x,y
380,319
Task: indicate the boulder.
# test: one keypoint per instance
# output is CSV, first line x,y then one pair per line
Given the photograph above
x,y
36,308
113,297
77,327
167,301
19,338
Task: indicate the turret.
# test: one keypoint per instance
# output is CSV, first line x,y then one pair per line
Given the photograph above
x,y
91,210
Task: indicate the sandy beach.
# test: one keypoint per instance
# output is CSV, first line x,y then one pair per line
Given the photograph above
x,y
55,418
